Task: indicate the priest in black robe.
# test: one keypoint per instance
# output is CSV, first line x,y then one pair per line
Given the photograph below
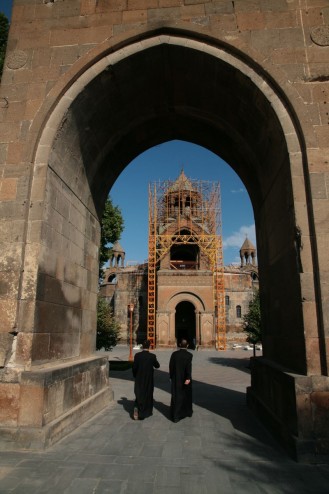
x,y
143,372
180,370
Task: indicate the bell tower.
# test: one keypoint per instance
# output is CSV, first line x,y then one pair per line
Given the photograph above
x,y
185,268
248,253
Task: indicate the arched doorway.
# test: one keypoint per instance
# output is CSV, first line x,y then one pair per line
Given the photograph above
x,y
185,324
98,121
167,101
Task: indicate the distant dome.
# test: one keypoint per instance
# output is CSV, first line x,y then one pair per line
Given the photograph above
x,y
247,253
182,183
117,247
248,245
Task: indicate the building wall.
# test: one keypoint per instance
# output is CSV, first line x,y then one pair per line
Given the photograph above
x,y
177,286
129,287
239,288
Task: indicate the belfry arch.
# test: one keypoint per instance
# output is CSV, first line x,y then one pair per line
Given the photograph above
x,y
170,85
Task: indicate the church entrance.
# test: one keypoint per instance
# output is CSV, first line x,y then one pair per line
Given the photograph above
x,y
185,323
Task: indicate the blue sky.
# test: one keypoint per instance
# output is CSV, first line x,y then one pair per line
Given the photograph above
x,y
5,7
163,162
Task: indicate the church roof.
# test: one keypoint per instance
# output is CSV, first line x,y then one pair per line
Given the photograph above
x,y
247,245
182,183
117,247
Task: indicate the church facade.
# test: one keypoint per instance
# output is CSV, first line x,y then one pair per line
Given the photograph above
x,y
185,289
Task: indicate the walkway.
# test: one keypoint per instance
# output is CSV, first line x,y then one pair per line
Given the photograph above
x,y
222,449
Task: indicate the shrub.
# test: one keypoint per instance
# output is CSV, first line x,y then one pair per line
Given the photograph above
x,y
252,321
108,328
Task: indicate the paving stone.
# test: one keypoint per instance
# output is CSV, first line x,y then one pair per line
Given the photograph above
x,y
168,476
173,449
133,487
83,486
222,449
9,483
193,484
117,472
110,487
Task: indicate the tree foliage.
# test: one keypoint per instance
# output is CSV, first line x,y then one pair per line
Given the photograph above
x,y
107,327
4,29
252,321
111,229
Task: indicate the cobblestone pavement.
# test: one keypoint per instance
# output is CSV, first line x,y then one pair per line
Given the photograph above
x,y
222,449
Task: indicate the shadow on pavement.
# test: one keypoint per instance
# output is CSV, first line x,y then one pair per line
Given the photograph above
x,y
227,403
238,363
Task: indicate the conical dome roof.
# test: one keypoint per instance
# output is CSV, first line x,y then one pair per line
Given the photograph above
x,y
117,247
182,183
247,245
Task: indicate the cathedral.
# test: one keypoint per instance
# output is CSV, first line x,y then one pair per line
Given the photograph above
x,y
183,290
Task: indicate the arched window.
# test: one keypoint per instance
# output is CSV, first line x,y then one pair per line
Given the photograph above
x,y
227,300
238,311
112,279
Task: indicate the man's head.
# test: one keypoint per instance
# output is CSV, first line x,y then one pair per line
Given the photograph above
x,y
146,344
183,343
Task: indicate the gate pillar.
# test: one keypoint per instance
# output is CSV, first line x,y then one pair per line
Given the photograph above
x,y
293,407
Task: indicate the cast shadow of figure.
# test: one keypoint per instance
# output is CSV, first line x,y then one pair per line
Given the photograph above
x,y
127,405
221,401
162,408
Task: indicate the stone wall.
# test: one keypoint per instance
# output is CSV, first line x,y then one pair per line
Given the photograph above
x,y
90,84
52,42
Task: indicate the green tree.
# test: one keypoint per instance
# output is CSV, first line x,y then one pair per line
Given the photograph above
x,y
107,328
111,229
4,29
252,321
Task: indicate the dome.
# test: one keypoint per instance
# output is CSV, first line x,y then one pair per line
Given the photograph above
x,y
248,245
182,183
117,247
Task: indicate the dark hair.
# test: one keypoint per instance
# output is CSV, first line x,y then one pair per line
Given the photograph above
x,y
183,343
146,344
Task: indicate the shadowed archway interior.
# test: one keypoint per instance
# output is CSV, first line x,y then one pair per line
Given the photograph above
x,y
173,92
185,326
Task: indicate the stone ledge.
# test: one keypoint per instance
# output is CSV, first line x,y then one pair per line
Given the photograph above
x,y
31,438
52,373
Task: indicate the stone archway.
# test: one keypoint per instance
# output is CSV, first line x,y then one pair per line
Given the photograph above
x,y
199,321
184,94
162,87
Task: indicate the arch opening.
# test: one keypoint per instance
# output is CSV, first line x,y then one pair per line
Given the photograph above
x,y
163,88
185,323
180,92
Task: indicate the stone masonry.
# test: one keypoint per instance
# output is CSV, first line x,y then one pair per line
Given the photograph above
x,y
87,86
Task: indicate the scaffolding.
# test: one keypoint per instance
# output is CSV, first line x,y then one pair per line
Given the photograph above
x,y
186,212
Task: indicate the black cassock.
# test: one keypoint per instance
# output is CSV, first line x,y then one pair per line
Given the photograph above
x,y
143,371
180,369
